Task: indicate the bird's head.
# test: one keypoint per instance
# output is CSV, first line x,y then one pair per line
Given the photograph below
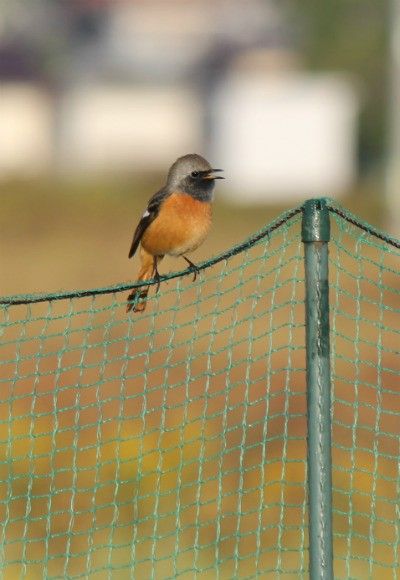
x,y
194,175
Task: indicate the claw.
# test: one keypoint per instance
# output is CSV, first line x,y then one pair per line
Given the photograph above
x,y
193,266
158,278
157,275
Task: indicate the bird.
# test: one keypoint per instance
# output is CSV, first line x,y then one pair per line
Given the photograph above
x,y
176,221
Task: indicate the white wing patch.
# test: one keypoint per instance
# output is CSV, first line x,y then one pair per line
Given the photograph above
x,y
146,214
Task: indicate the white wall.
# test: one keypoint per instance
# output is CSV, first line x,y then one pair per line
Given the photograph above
x,y
26,137
118,128
283,136
286,135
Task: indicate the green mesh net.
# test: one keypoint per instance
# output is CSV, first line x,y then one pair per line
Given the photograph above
x,y
365,348
173,443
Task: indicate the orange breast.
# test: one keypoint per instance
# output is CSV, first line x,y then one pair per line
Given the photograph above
x,y
181,226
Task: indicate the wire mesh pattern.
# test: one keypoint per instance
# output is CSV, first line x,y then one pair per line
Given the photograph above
x,y
365,342
162,445
173,443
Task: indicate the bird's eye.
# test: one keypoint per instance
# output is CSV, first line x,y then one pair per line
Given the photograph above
x,y
194,174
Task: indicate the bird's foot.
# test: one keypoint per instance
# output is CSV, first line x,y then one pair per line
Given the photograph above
x,y
193,267
157,277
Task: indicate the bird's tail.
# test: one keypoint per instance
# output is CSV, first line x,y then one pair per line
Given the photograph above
x,y
137,299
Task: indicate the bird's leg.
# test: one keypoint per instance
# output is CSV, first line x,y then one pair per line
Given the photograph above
x,y
156,273
195,268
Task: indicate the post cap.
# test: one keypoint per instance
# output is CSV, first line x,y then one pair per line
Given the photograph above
x,y
316,221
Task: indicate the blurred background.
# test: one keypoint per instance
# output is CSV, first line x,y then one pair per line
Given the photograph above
x,y
98,98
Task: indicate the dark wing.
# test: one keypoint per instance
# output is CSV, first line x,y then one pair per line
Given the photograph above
x,y
140,229
149,215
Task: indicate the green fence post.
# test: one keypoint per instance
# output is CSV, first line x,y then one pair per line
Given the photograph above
x,y
315,235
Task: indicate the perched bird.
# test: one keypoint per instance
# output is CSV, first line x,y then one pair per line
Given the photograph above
x,y
176,221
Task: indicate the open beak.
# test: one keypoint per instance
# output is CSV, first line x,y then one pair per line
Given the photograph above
x,y
210,174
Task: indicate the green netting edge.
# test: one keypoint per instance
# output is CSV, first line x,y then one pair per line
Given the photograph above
x,y
363,225
248,243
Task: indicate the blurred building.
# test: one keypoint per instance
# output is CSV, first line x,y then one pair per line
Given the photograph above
x,y
286,133
115,85
26,121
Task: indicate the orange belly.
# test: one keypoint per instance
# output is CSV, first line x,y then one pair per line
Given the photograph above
x,y
180,227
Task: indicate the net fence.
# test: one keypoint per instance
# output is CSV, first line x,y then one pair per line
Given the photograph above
x,y
365,340
173,443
